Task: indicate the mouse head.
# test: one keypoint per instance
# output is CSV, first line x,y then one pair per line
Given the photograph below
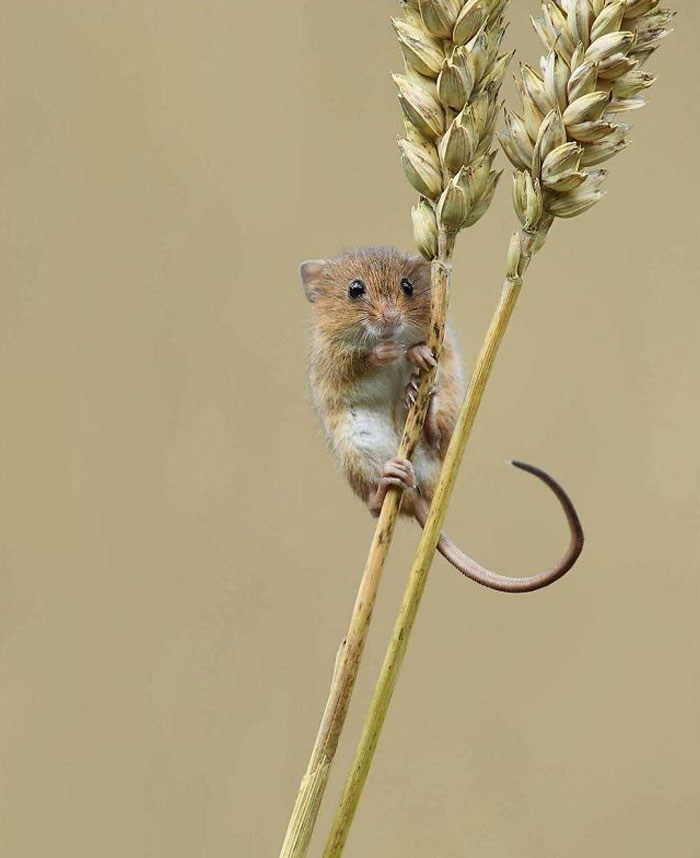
x,y
369,294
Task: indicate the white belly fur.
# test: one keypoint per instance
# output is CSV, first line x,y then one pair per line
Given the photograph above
x,y
369,424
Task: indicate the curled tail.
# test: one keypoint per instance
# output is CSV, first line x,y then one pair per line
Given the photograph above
x,y
461,561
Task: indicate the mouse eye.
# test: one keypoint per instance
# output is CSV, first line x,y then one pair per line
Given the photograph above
x,y
356,288
407,287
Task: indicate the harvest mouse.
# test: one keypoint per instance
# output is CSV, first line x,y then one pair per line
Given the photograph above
x,y
371,316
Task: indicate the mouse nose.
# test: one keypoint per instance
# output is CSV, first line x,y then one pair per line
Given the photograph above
x,y
391,316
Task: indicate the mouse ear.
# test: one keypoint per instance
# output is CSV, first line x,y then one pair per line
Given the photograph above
x,y
420,268
312,277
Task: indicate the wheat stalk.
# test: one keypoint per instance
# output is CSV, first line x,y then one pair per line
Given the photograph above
x,y
449,97
592,72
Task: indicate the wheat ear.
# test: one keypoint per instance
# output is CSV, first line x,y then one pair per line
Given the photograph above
x,y
449,97
566,127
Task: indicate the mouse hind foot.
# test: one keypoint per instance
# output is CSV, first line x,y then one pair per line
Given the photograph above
x,y
397,473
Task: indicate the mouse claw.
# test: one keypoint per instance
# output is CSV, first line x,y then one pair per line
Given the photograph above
x,y
410,392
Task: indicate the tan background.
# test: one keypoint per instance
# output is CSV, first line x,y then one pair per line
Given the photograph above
x,y
179,557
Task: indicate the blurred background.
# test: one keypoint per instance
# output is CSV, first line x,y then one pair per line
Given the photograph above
x,y
179,557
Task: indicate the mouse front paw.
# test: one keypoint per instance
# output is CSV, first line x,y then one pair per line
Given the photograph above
x,y
422,357
386,353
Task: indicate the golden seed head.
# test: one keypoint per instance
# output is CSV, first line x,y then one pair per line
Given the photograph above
x,y
470,20
420,50
582,81
590,72
476,178
586,108
439,16
458,146
454,85
422,168
481,205
421,108
453,206
450,99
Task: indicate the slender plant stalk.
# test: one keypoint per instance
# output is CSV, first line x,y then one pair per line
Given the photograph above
x,y
449,98
308,802
386,683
